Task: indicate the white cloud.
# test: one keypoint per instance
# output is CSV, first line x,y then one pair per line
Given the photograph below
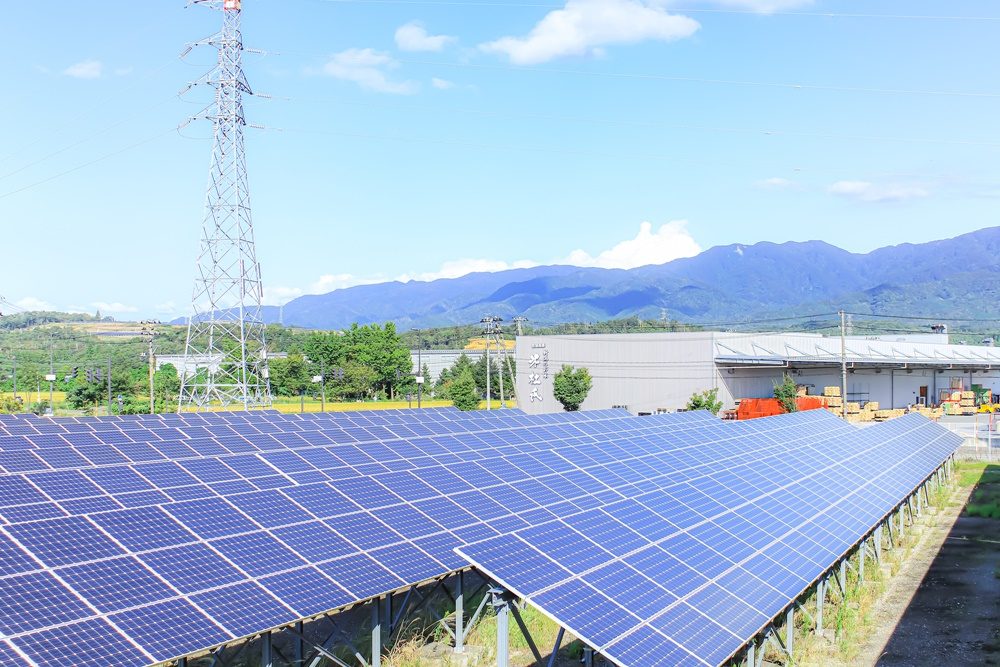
x,y
775,183
442,84
870,192
369,69
33,303
413,37
87,69
115,307
166,308
277,296
583,26
671,241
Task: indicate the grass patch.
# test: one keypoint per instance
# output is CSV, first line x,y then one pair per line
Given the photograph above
x,y
985,499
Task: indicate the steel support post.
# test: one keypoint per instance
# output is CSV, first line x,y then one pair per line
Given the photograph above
x,y
182,662
299,647
460,613
751,660
820,598
843,578
555,649
878,544
502,610
789,629
588,657
376,660
266,650
902,518
862,556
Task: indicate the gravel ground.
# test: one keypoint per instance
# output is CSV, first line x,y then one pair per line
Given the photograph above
x,y
952,617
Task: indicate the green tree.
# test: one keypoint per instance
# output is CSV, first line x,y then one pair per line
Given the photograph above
x,y
706,400
479,371
786,391
290,376
166,388
463,392
571,386
359,381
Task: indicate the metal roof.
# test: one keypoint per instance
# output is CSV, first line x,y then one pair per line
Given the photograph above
x,y
782,349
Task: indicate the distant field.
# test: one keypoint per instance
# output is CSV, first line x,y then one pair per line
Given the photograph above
x,y
293,405
33,395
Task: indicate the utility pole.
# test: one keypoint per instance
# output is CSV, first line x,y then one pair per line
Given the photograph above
x,y
488,323
420,366
14,357
843,364
491,329
51,377
518,321
322,385
226,327
149,332
109,385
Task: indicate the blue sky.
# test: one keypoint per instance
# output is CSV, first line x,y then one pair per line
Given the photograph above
x,y
414,140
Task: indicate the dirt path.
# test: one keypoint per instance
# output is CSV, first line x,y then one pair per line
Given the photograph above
x,y
943,606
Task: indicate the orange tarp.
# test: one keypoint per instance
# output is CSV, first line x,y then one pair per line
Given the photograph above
x,y
752,408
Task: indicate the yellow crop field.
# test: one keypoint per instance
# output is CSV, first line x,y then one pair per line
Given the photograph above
x,y
34,396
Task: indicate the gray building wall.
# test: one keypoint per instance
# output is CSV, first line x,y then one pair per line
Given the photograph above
x,y
438,360
643,372
647,372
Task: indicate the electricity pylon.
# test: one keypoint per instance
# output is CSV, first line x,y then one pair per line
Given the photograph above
x,y
225,358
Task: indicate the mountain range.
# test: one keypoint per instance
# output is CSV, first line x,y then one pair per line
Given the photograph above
x,y
958,277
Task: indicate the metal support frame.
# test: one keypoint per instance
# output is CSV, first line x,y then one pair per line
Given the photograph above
x,y
459,613
502,609
588,657
820,600
862,556
266,650
790,630
376,631
555,648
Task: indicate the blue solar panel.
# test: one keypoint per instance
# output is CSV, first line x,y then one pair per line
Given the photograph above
x,y
258,554
116,584
36,600
243,608
89,643
720,575
170,629
307,591
192,567
64,541
410,554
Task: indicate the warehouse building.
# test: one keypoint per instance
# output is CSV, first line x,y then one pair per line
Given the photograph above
x,y
659,372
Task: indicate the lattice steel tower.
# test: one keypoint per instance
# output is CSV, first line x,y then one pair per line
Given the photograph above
x,y
225,339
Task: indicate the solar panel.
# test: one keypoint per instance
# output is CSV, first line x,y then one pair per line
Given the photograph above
x,y
706,578
417,559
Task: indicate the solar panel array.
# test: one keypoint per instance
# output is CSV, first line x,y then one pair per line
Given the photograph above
x,y
127,541
130,541
690,569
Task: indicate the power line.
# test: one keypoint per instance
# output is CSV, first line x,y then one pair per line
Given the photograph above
x,y
675,10
84,165
769,131
680,78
